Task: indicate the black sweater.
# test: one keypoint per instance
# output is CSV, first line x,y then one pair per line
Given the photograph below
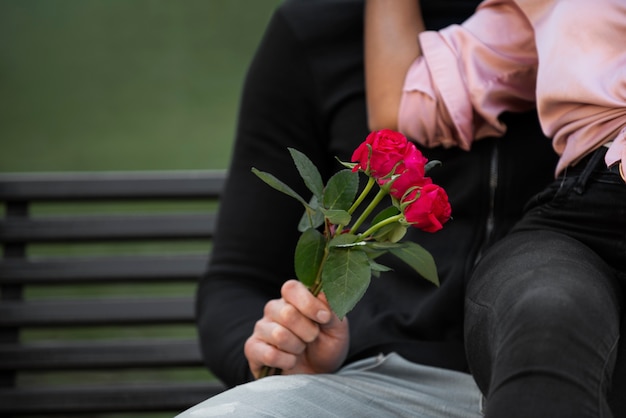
x,y
305,89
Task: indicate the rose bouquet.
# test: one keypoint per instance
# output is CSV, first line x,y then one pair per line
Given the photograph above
x,y
336,252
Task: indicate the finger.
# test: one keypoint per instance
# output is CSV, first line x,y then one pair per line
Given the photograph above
x,y
285,324
280,337
260,354
295,293
334,320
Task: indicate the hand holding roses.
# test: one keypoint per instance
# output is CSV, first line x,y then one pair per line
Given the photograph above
x,y
337,254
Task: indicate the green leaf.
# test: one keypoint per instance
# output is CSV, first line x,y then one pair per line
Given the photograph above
x,y
393,232
345,277
384,245
419,259
271,180
347,165
342,240
431,164
312,216
308,172
371,253
384,214
337,216
378,267
341,190
308,256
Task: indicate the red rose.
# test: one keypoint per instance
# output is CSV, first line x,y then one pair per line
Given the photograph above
x,y
411,171
427,208
387,149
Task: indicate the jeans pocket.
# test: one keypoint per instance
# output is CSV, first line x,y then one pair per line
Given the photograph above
x,y
608,176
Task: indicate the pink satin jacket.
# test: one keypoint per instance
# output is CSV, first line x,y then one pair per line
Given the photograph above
x,y
567,58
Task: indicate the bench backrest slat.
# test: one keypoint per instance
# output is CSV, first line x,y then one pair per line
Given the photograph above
x,y
153,268
156,353
97,312
112,227
98,186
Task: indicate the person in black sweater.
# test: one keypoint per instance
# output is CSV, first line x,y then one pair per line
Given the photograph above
x,y
400,350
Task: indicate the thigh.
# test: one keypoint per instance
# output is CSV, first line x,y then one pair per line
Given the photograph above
x,y
385,386
587,203
535,295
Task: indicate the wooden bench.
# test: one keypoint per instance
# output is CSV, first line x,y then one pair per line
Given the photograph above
x,y
97,288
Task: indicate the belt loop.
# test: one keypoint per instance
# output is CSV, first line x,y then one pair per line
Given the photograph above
x,y
594,159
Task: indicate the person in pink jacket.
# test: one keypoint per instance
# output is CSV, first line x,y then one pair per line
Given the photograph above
x,y
543,306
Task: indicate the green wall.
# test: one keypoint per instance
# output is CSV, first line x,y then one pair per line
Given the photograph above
x,y
123,84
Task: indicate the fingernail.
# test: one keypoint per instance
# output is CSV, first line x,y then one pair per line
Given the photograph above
x,y
323,316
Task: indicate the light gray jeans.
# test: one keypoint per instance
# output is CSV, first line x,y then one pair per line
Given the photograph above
x,y
377,387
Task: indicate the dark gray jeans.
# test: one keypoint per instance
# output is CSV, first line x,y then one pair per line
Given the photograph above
x,y
543,306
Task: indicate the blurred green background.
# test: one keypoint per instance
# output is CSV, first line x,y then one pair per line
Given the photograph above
x,y
89,85
123,84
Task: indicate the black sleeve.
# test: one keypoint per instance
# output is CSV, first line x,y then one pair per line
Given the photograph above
x,y
257,227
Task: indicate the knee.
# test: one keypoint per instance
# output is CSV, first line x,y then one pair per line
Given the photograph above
x,y
541,313
544,321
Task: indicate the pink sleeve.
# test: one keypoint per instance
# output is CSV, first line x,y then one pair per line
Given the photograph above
x,y
468,75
